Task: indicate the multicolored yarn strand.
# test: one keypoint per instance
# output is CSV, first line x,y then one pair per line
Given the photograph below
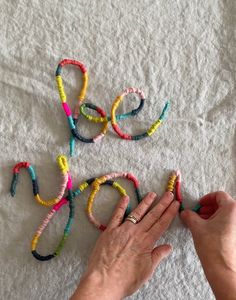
x,y
174,186
147,133
63,166
62,200
80,108
96,187
72,121
66,195
42,227
124,116
69,199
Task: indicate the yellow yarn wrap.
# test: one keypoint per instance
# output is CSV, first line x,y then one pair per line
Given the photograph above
x,y
96,187
119,188
96,119
64,167
114,107
154,127
171,183
61,90
34,242
84,87
83,186
63,163
60,87
46,203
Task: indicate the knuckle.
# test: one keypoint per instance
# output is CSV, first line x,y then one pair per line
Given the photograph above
x,y
168,200
164,202
152,194
117,218
222,194
162,206
121,206
174,209
148,199
153,214
163,223
138,214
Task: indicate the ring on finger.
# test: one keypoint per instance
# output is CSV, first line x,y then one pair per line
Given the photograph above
x,y
132,219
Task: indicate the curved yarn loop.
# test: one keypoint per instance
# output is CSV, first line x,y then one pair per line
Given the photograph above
x,y
63,166
147,133
80,108
96,187
174,186
64,201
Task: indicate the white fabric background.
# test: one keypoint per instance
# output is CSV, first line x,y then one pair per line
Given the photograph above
x,y
178,50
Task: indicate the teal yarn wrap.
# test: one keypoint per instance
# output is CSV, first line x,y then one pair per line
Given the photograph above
x,y
165,110
32,172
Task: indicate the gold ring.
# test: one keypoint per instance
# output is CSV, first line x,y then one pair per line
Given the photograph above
x,y
132,219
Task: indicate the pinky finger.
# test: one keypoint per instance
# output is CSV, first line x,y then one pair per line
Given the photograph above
x,y
119,213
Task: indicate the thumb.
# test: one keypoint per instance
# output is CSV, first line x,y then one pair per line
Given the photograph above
x,y
191,219
159,253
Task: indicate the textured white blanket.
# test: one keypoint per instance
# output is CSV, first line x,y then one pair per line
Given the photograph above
x,y
183,51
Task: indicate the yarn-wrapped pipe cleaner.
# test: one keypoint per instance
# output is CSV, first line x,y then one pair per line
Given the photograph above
x,y
96,187
111,183
72,121
174,186
40,230
64,201
105,119
56,207
147,133
63,166
81,108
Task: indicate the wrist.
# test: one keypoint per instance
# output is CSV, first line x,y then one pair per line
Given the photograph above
x,y
94,286
220,269
223,285
222,281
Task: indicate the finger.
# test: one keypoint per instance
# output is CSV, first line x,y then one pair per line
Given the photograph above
x,y
208,210
191,219
142,208
119,213
205,216
154,214
154,203
161,225
159,253
216,198
208,200
223,199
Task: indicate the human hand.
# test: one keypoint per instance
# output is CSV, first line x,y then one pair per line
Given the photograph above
x,y
214,235
125,255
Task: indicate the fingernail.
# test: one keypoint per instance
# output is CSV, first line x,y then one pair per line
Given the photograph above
x,y
152,195
126,199
170,194
176,204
